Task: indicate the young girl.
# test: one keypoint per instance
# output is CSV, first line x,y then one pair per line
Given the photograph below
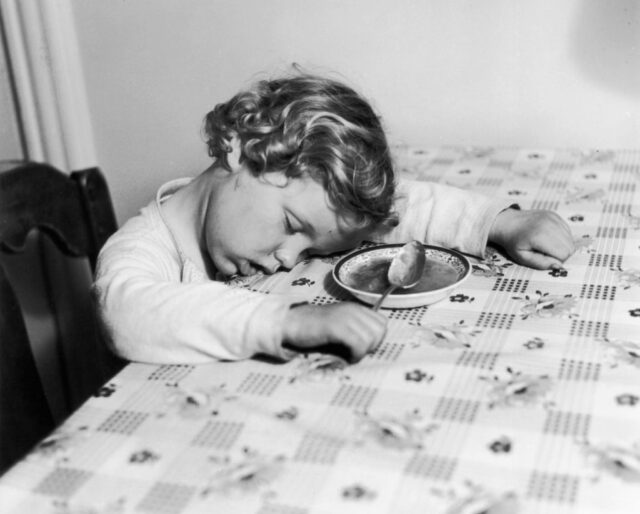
x,y
300,167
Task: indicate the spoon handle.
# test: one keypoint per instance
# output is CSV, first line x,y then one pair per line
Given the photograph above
x,y
389,290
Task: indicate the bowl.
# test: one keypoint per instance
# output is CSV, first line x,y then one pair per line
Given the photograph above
x,y
363,273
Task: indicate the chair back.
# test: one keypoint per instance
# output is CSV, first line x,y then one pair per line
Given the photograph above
x,y
76,213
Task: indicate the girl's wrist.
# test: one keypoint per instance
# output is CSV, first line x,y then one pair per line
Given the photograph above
x,y
498,234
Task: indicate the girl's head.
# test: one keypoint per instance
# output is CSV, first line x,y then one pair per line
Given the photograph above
x,y
310,126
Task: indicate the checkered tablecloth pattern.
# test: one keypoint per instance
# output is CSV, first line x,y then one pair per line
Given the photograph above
x,y
520,392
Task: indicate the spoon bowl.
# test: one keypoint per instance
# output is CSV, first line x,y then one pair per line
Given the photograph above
x,y
405,269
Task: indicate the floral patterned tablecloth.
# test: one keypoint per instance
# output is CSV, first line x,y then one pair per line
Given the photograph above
x,y
520,392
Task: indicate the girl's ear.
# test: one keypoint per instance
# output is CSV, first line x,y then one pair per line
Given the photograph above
x,y
233,157
277,178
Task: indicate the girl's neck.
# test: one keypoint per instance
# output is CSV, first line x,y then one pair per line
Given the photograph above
x,y
184,213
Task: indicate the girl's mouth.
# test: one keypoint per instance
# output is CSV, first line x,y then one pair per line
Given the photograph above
x,y
246,268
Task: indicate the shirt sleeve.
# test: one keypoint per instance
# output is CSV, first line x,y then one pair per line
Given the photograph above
x,y
151,316
443,215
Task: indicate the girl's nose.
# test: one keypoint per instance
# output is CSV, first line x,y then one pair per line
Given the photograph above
x,y
288,257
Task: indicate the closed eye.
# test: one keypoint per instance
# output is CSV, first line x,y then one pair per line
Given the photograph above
x,y
303,256
288,227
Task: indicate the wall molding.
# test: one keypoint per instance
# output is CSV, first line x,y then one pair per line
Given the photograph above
x,y
47,73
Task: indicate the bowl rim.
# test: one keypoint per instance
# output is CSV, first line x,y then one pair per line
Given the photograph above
x,y
343,260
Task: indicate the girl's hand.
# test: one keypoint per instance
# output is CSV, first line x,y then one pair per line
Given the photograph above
x,y
535,238
349,324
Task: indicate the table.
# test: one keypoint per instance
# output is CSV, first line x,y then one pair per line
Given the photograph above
x,y
520,392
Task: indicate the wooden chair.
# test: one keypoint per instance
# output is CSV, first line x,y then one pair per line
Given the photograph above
x,y
75,212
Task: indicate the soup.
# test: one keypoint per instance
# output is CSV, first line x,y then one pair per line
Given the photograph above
x,y
371,276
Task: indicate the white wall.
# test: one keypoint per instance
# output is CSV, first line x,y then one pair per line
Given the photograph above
x,y
547,73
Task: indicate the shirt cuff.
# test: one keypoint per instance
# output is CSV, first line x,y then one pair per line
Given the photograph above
x,y
267,324
484,222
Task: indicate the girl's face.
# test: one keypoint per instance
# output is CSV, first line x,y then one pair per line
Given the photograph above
x,y
269,222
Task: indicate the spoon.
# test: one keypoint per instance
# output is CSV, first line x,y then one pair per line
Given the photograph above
x,y
405,269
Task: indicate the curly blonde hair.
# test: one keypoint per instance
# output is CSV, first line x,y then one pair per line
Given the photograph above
x,y
315,126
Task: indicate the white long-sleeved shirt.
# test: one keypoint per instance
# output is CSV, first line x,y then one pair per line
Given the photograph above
x,y
159,307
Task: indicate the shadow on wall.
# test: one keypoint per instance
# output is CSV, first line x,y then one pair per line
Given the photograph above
x,y
606,44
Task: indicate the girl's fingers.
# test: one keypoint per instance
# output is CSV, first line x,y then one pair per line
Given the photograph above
x,y
538,260
555,243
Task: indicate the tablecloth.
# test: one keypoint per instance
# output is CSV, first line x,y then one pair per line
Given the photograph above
x,y
520,392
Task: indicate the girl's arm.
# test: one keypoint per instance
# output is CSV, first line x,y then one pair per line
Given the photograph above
x,y
464,220
444,216
151,316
